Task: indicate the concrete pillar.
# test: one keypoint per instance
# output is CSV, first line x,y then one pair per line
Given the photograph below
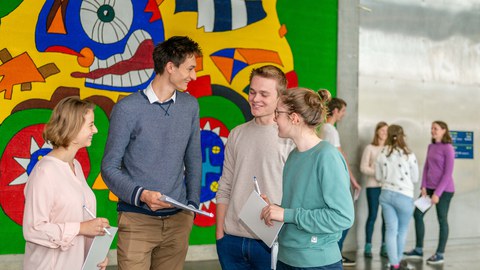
x,y
347,89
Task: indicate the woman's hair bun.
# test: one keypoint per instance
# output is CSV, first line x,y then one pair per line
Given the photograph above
x,y
325,95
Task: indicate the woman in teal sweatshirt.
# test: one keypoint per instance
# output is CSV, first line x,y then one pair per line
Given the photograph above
x,y
316,205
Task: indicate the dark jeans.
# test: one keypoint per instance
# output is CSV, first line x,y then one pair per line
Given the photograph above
x,y
243,253
340,242
373,194
442,215
334,266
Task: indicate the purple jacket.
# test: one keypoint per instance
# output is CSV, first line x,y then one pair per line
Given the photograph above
x,y
438,170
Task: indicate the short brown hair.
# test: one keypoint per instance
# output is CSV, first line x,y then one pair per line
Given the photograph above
x,y
175,49
335,103
271,72
67,119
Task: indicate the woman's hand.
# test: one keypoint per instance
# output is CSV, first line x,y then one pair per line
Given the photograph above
x,y
103,265
94,227
271,212
424,192
435,199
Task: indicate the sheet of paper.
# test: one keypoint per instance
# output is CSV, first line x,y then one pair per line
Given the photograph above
x,y
99,249
180,205
356,194
423,203
250,215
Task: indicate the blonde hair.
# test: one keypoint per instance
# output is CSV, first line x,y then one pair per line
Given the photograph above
x,y
311,106
271,72
67,119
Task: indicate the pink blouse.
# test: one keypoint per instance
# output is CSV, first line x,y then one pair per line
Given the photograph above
x,y
54,199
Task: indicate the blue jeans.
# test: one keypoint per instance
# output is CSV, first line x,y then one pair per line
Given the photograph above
x,y
334,266
243,253
373,196
397,211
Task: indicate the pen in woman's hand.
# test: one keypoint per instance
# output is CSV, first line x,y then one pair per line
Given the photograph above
x,y
93,216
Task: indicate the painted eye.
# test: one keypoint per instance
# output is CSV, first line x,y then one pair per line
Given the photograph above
x,y
106,21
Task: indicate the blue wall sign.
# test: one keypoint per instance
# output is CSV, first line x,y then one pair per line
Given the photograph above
x,y
463,143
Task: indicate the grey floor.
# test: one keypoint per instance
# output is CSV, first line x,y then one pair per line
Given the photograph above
x,y
459,257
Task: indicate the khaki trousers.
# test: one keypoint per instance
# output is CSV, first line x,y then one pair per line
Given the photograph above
x,y
149,242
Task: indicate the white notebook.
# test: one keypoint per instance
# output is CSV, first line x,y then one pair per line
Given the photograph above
x,y
99,249
423,203
250,215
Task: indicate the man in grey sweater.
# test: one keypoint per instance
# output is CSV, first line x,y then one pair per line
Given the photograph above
x,y
153,148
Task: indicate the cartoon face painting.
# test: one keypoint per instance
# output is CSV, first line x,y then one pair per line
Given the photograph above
x,y
112,40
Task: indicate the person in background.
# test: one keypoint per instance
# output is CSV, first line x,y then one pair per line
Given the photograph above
x,y
337,109
253,149
153,148
437,182
316,204
56,226
397,169
367,167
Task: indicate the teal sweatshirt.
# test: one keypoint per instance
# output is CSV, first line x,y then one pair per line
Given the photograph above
x,y
318,206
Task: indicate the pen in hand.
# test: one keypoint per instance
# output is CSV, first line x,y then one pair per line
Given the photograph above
x,y
93,216
257,188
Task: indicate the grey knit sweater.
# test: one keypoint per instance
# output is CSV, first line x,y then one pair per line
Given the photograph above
x,y
154,147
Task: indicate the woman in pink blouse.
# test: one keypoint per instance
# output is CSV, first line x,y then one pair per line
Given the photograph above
x,y
57,228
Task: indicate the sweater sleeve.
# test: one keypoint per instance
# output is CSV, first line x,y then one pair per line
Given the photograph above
x,y
425,170
37,225
449,153
119,182
380,169
338,214
365,166
225,182
193,162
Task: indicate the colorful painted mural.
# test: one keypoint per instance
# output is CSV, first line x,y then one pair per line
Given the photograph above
x,y
101,51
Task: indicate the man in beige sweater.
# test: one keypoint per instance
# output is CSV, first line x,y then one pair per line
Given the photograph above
x,y
253,150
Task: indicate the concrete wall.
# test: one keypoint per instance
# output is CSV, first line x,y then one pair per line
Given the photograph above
x,y
419,62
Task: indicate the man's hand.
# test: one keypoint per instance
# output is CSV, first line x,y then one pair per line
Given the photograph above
x,y
152,199
354,183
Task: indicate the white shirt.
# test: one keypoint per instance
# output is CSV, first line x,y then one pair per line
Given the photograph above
x,y
152,97
330,134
